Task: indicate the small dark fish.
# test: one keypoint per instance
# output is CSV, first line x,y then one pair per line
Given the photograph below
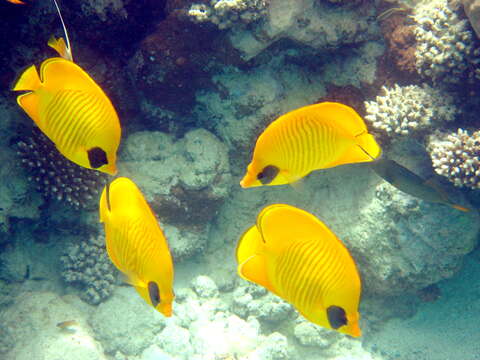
x,y
410,183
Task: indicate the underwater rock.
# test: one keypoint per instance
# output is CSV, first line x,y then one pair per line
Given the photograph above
x,y
309,23
309,334
205,287
402,244
456,156
185,181
17,197
30,323
125,323
87,266
175,339
185,243
169,66
472,9
275,347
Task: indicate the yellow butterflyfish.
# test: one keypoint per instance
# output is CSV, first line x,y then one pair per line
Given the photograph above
x,y
136,244
295,256
313,137
71,109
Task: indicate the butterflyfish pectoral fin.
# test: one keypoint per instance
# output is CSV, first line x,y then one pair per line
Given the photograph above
x,y
251,262
254,269
29,102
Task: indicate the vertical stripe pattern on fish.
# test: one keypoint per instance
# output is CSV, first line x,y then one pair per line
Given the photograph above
x,y
136,244
294,255
313,137
72,110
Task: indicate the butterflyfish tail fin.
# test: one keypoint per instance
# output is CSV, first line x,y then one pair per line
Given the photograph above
x,y
67,50
60,47
29,80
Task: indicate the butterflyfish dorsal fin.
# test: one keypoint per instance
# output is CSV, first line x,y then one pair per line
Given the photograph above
x,y
66,48
60,47
280,224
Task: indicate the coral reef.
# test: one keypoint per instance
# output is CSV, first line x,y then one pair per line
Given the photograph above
x,y
55,176
457,157
228,13
87,266
183,242
401,43
409,110
310,23
253,300
185,181
446,50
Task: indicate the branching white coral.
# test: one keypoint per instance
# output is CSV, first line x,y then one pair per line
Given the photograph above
x,y
226,13
407,109
445,43
457,157
87,265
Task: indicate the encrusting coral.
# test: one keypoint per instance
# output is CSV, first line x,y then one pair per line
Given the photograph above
x,y
87,265
446,48
404,110
228,13
457,157
57,177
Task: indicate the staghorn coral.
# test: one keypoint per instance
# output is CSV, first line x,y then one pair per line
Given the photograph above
x,y
57,177
404,110
87,265
228,13
446,49
457,157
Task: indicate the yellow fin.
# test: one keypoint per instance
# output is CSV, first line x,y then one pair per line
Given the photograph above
x,y
60,47
341,116
56,72
254,269
280,224
30,103
365,150
29,80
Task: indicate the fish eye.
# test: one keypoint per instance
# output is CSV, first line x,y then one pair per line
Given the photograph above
x,y
97,157
336,316
268,173
154,293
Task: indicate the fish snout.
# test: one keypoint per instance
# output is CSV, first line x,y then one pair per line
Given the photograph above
x,y
111,169
354,330
165,309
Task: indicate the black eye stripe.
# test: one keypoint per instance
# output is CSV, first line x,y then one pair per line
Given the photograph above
x,y
154,293
336,316
97,157
268,174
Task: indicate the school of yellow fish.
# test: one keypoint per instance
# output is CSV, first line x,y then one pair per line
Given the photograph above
x,y
288,251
